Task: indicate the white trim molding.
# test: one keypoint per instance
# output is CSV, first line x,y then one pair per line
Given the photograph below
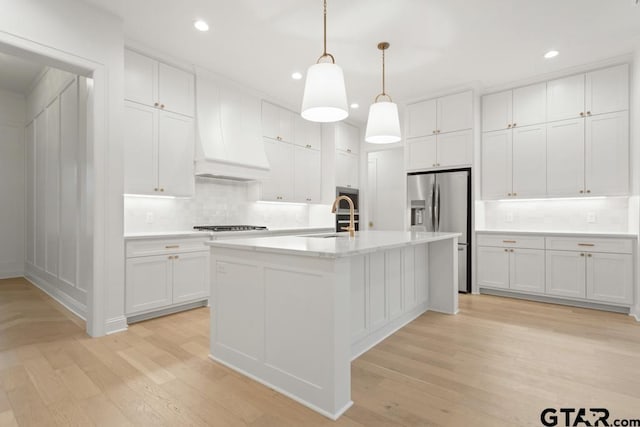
x,y
117,324
74,306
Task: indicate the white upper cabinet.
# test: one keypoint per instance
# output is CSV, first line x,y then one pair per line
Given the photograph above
x,y
347,170
159,85
422,118
307,173
455,112
277,122
347,138
140,149
530,105
497,111
279,185
175,90
446,114
607,154
530,161
565,98
307,134
565,158
455,148
140,78
607,90
422,153
175,154
497,165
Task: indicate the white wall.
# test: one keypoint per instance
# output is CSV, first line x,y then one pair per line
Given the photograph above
x,y
12,158
218,202
634,202
78,37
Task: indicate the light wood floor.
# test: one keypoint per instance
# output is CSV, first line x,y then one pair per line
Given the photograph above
x,y
498,363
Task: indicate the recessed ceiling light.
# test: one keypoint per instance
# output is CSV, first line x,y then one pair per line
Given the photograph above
x,y
201,25
551,54
355,105
296,76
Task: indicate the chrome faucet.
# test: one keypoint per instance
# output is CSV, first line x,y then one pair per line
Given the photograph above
x,y
352,227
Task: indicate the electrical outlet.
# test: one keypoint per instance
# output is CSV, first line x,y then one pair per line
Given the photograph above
x,y
150,218
509,217
591,217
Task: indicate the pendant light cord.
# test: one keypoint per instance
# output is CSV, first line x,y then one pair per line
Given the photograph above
x,y
325,54
383,46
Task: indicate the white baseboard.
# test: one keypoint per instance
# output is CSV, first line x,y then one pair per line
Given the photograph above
x,y
635,313
74,306
116,324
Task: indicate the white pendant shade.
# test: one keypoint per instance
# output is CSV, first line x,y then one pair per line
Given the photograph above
x,y
383,124
325,96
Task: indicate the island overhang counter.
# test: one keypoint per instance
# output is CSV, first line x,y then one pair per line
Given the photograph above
x,y
292,311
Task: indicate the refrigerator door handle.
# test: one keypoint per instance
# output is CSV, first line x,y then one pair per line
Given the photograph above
x,y
437,208
432,207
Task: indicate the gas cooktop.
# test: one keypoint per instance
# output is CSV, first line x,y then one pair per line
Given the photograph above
x,y
217,228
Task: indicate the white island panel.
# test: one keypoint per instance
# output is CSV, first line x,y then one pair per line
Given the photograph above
x,y
294,322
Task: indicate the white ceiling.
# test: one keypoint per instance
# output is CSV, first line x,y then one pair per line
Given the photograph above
x,y
16,74
435,44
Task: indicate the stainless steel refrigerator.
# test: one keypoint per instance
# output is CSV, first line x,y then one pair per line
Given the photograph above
x,y
441,201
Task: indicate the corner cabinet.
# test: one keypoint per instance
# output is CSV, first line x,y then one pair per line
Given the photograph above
x,y
165,273
159,140
569,138
584,269
439,132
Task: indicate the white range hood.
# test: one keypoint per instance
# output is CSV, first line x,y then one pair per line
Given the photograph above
x,y
229,141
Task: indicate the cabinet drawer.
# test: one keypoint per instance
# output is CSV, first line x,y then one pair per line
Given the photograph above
x,y
165,246
621,246
506,241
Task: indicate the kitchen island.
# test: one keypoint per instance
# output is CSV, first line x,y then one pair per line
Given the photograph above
x,y
292,311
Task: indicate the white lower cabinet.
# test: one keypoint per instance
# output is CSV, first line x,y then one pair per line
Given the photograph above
x,y
165,273
581,268
566,274
511,268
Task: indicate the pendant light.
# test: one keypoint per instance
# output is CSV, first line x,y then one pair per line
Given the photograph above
x,y
383,124
325,97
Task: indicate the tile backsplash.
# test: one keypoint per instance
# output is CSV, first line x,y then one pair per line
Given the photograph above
x,y
218,202
610,214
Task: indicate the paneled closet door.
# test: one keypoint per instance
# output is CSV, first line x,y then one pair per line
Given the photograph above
x,y
41,181
69,197
30,135
52,188
565,158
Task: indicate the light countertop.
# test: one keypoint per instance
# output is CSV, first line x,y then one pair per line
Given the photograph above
x,y
225,234
594,234
332,247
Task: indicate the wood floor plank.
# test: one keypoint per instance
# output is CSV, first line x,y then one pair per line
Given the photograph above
x,y
498,363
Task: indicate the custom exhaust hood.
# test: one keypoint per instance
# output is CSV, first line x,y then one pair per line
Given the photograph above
x,y
229,141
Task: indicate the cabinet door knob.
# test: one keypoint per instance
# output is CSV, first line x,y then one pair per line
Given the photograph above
x,y
581,191
437,164
581,254
515,194
588,191
348,150
308,146
588,113
589,255
506,250
515,124
509,125
349,185
509,194
434,132
176,257
162,189
510,250
581,114
155,189
157,104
